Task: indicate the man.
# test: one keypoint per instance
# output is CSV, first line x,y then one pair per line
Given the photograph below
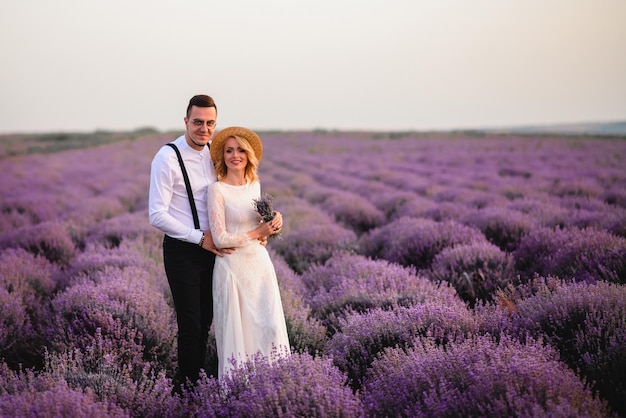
x,y
188,249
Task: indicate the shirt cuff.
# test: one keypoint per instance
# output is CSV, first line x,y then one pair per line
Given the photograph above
x,y
195,236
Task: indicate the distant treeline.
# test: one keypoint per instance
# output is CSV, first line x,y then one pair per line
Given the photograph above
x,y
44,143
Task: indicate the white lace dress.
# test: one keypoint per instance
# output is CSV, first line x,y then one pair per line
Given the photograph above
x,y
248,312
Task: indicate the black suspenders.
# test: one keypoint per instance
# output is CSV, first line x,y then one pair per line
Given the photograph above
x,y
192,202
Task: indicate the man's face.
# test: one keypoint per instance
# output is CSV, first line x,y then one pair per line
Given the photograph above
x,y
200,126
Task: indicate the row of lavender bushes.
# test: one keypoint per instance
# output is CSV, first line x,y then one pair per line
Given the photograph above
x,y
440,275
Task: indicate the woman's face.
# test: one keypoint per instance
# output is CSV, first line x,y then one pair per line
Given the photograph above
x,y
235,157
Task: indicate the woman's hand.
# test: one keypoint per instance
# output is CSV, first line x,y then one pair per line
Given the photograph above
x,y
265,229
278,221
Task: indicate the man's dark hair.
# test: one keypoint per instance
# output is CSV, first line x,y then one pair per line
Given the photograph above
x,y
200,100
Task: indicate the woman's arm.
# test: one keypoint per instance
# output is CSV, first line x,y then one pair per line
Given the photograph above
x,y
217,219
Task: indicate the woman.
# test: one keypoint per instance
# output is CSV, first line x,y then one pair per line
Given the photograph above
x,y
248,312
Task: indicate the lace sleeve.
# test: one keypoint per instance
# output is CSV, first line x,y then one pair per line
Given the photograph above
x,y
217,220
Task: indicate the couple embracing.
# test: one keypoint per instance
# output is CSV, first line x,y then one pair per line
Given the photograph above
x,y
202,194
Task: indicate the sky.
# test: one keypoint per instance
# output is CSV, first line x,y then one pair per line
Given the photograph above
x,y
393,65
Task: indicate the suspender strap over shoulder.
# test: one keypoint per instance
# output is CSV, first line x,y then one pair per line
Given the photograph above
x,y
192,202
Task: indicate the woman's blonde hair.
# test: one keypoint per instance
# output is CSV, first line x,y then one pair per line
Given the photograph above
x,y
253,162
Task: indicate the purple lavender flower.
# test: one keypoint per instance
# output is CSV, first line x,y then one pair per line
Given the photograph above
x,y
142,389
124,309
348,282
59,401
363,337
49,239
501,226
477,377
306,333
16,330
476,270
353,211
581,254
26,286
585,322
615,196
297,385
85,281
415,241
314,244
265,207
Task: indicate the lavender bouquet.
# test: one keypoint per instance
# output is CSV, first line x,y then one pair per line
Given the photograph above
x,y
265,207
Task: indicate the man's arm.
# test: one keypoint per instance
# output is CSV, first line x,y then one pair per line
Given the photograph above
x,y
160,197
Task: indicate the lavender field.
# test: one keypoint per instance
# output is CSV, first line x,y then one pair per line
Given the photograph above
x,y
422,275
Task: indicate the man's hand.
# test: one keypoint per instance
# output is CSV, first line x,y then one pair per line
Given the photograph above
x,y
209,245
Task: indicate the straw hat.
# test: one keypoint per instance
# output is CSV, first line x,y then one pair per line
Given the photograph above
x,y
218,141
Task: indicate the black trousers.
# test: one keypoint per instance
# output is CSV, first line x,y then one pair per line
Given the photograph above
x,y
189,270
